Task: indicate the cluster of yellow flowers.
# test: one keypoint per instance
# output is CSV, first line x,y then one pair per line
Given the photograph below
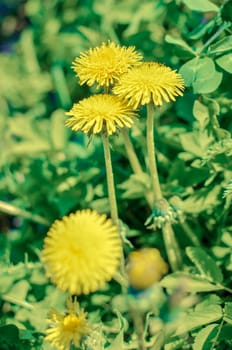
x,y
82,251
119,69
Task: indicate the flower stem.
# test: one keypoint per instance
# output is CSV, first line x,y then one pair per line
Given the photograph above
x,y
133,159
171,245
151,153
110,180
134,162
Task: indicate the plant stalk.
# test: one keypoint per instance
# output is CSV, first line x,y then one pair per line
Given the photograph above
x,y
110,181
134,162
151,153
171,245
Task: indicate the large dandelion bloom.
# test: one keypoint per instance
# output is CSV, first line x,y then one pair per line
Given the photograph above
x,y
99,113
82,251
105,64
67,329
149,82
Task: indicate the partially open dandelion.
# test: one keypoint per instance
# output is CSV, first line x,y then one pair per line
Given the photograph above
x,y
82,251
145,267
105,64
100,113
149,82
67,329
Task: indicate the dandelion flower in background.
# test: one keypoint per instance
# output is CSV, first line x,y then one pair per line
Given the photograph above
x,y
149,82
82,252
100,113
105,64
145,267
67,329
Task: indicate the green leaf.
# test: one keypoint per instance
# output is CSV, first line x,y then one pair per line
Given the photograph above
x,y
201,200
201,113
200,73
221,46
204,337
9,334
225,62
201,6
202,315
179,42
118,343
228,312
205,264
190,283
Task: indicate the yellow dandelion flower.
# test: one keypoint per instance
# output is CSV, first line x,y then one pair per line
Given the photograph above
x,y
149,82
82,251
99,113
145,267
67,329
105,64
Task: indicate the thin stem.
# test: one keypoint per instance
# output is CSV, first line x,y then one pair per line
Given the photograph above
x,y
134,161
110,180
214,36
139,327
172,247
15,211
151,153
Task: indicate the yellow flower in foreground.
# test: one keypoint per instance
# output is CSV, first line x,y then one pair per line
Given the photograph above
x,y
150,82
99,113
145,267
105,64
82,251
67,329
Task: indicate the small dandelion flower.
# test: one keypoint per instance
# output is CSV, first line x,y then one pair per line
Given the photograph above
x,y
145,267
67,329
162,213
100,113
149,82
105,64
82,251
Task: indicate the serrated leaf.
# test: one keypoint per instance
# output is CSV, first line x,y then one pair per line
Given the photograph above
x,y
196,318
202,200
189,283
205,264
204,337
201,6
225,62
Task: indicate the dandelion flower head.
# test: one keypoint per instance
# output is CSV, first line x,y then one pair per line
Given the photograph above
x,y
82,252
67,329
100,113
105,64
145,267
149,82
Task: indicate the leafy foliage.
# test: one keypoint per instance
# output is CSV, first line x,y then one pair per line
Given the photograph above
x,y
46,172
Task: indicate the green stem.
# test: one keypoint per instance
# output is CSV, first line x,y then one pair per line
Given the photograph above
x,y
151,153
171,245
139,327
12,210
134,161
110,180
